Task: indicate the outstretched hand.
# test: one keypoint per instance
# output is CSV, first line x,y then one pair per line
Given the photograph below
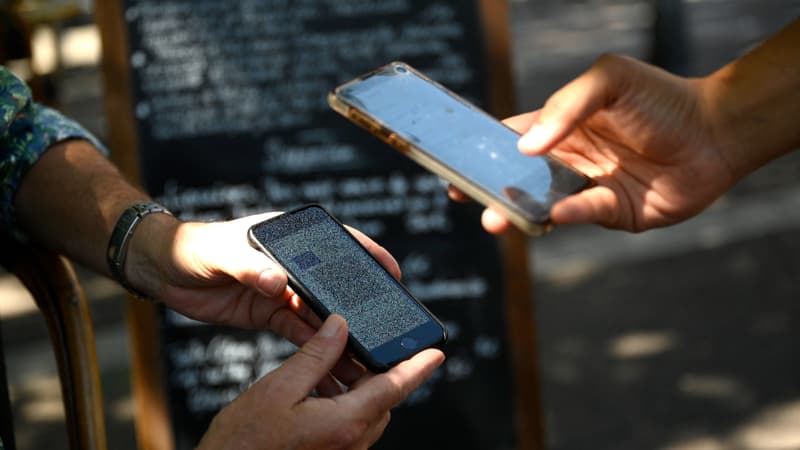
x,y
642,134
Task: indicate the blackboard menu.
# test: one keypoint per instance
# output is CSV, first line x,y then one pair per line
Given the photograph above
x,y
230,103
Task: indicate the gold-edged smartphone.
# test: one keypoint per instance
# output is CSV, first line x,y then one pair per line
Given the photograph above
x,y
457,141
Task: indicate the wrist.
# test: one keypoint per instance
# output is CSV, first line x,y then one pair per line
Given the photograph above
x,y
728,123
150,256
755,103
136,244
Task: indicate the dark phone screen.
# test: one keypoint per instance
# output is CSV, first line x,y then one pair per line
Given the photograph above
x,y
334,267
463,138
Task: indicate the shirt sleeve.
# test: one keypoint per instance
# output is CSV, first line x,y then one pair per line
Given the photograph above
x,y
27,130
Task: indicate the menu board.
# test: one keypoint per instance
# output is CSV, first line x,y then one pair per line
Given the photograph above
x,y
229,100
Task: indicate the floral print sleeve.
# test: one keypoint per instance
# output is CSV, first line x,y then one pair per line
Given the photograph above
x,y
27,130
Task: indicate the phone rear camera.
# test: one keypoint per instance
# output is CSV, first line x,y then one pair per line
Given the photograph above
x,y
400,69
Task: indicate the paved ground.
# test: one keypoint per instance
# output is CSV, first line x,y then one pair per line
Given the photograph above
x,y
679,339
682,338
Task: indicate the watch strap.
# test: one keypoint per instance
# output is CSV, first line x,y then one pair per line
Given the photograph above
x,y
121,236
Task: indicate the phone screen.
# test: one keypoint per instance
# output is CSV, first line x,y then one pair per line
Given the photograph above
x,y
462,138
333,272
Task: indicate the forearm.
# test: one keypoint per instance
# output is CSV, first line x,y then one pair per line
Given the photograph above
x,y
70,200
755,102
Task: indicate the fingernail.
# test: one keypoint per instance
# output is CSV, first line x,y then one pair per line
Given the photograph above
x,y
268,284
534,139
331,326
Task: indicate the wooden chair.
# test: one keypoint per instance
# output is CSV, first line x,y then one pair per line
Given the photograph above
x,y
51,280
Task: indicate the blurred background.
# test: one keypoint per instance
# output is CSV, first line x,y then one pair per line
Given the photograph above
x,y
686,338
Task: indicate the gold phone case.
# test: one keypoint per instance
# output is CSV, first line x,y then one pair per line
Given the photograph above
x,y
420,156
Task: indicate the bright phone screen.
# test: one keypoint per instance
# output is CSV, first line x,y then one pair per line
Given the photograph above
x,y
342,276
463,138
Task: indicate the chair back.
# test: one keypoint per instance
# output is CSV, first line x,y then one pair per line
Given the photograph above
x,y
53,284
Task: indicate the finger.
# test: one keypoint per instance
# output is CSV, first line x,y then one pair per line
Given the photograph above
x,y
457,195
348,371
304,312
306,368
251,268
381,392
288,324
570,106
298,331
271,280
598,205
494,222
381,254
522,122
329,387
223,249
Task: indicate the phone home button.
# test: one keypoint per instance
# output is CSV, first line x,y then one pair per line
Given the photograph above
x,y
408,343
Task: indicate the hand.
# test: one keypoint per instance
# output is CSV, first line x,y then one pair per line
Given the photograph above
x,y
277,411
210,272
646,138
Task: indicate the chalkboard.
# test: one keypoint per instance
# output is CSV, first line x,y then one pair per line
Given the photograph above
x,y
229,100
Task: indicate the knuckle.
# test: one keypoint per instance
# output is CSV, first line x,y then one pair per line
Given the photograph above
x,y
611,67
609,60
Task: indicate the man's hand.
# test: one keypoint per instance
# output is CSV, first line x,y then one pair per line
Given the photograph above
x,y
211,273
277,411
660,147
633,128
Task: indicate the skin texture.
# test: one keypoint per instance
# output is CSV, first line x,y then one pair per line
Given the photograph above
x,y
69,202
207,271
277,412
661,148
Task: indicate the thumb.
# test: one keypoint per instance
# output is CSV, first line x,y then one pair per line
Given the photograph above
x,y
570,106
223,248
254,269
304,370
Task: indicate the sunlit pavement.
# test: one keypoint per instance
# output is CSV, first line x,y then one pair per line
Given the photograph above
x,y
685,338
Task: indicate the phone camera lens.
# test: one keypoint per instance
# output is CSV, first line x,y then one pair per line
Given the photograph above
x,y
400,69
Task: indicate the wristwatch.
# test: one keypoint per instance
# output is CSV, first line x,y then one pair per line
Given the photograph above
x,y
121,237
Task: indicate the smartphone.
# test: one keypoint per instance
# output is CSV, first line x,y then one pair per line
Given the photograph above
x,y
333,273
459,142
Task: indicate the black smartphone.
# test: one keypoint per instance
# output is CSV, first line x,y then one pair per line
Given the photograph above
x,y
459,142
333,273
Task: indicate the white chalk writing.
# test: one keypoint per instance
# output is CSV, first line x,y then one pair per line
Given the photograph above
x,y
214,371
210,68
